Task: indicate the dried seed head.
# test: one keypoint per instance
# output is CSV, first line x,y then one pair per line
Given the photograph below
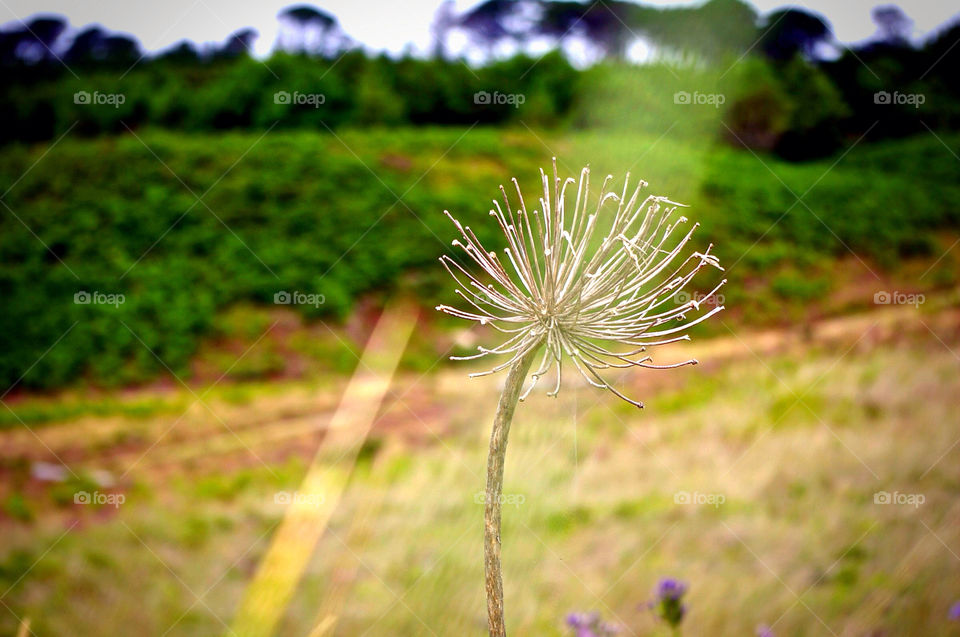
x,y
599,303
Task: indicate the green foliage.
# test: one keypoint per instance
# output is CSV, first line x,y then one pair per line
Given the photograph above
x,y
563,522
794,285
40,409
300,213
306,212
791,107
875,203
252,94
645,99
16,507
760,107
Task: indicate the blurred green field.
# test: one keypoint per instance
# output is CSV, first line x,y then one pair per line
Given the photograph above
x,y
192,229
797,431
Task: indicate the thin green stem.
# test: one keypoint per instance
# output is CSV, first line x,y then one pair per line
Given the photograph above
x,y
491,512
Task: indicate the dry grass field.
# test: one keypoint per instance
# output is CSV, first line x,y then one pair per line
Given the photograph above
x,y
754,477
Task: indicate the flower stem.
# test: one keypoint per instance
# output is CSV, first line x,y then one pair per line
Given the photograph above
x,y
491,512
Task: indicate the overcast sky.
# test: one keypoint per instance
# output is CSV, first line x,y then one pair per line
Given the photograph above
x,y
380,25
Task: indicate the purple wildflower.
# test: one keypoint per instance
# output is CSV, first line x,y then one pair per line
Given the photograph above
x,y
667,601
669,588
590,625
764,631
954,612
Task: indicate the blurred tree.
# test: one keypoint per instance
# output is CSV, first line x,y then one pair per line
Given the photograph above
x,y
712,31
94,45
941,58
606,26
184,52
377,101
9,44
308,30
788,32
36,41
486,24
893,25
239,43
559,19
121,48
759,110
816,110
87,46
444,19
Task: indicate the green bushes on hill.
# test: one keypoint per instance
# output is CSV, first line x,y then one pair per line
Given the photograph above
x,y
319,214
289,91
288,212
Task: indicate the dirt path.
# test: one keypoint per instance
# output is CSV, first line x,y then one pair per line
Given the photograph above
x,y
213,435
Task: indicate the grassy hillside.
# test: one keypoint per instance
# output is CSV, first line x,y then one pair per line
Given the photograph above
x,y
358,213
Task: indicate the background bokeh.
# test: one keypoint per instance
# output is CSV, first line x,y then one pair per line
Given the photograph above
x,y
196,242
